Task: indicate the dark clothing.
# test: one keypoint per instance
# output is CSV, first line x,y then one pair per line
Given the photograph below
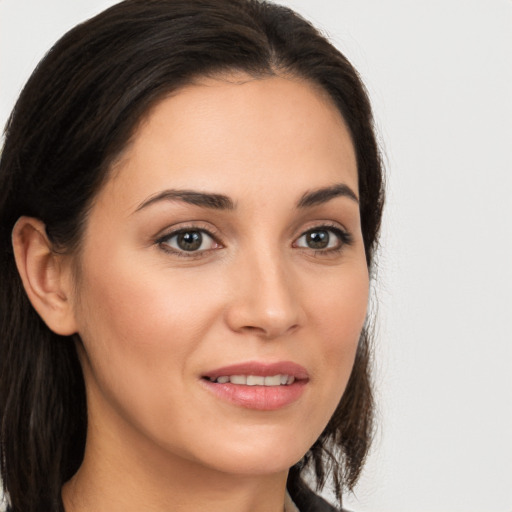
x,y
307,501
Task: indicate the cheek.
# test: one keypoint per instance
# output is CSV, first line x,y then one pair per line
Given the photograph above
x,y
340,316
137,321
139,306
341,308
140,329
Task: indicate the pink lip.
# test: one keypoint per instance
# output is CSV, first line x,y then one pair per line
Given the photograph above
x,y
261,369
262,398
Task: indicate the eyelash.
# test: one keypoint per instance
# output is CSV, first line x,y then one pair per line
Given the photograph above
x,y
343,236
163,242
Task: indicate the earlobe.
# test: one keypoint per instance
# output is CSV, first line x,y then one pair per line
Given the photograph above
x,y
45,277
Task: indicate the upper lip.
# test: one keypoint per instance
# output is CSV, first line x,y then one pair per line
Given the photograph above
x,y
261,369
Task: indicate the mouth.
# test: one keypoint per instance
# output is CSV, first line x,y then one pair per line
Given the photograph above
x,y
258,386
255,380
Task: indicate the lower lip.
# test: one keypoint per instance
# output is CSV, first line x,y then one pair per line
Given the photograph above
x,y
261,398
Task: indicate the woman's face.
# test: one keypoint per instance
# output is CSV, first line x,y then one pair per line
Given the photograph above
x,y
223,282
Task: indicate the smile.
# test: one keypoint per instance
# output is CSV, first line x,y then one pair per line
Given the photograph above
x,y
257,385
256,380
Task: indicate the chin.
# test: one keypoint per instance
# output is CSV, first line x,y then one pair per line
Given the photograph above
x,y
258,453
263,463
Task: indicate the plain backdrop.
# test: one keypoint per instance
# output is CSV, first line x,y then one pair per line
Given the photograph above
x,y
439,73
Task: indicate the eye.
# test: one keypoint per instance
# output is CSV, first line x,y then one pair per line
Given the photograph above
x,y
188,241
323,238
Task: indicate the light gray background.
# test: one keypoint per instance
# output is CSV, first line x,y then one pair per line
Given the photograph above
x,y
440,76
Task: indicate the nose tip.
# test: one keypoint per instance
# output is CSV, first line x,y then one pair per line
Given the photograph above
x,y
265,304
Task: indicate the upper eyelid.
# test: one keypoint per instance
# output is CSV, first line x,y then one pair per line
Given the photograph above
x,y
327,225
175,230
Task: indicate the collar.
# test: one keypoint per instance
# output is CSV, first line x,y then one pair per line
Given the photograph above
x,y
289,505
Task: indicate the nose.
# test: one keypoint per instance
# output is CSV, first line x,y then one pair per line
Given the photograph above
x,y
264,300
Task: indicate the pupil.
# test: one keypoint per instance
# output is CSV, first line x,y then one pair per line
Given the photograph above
x,y
190,240
317,239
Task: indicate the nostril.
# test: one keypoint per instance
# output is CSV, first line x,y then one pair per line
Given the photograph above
x,y
269,332
253,329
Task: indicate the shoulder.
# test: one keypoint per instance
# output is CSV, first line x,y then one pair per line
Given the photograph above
x,y
307,501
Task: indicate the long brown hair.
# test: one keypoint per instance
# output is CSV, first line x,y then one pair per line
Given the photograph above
x,y
75,114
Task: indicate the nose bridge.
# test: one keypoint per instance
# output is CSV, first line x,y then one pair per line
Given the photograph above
x,y
264,301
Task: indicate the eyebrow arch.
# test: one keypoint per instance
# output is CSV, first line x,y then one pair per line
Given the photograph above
x,y
322,195
203,199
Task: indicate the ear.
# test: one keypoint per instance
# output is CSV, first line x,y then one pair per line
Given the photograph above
x,y
46,279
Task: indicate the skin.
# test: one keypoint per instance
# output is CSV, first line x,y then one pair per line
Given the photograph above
x,y
153,319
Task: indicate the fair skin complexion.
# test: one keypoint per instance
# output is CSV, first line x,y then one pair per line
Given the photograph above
x,y
173,285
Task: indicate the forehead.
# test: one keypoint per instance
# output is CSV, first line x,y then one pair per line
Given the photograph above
x,y
237,131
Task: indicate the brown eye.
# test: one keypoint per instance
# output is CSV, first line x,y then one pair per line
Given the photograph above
x,y
322,238
317,239
191,240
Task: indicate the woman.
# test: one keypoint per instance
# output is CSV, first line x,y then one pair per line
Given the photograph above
x,y
190,198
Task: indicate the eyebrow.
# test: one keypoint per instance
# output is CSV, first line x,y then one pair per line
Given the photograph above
x,y
223,202
322,195
203,199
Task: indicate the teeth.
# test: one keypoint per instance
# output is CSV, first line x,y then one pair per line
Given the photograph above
x,y
252,380
273,381
256,380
